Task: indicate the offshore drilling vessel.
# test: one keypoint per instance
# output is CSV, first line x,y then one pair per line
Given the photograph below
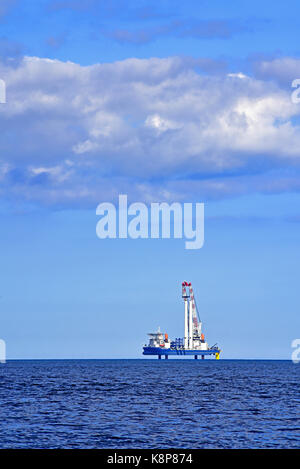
x,y
193,342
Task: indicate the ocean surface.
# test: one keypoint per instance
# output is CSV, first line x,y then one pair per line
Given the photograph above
x,y
149,404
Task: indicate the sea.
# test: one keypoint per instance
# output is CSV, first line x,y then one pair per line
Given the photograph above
x,y
149,403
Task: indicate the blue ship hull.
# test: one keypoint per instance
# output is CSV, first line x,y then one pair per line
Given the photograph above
x,y
161,351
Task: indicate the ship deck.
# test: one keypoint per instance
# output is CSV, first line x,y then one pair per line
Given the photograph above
x,y
178,351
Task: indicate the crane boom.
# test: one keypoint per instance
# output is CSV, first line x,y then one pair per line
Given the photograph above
x,y
192,322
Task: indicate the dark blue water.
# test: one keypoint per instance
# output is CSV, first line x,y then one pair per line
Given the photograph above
x,y
149,404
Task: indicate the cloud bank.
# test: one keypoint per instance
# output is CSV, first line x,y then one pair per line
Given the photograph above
x,y
156,129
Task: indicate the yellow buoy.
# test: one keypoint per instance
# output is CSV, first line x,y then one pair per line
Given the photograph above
x,y
217,356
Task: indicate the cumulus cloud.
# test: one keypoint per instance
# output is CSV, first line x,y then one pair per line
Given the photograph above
x,y
155,129
283,70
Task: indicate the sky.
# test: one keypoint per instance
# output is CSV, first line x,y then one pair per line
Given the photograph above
x,y
165,102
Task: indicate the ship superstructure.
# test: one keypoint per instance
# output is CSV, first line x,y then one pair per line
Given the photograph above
x,y
193,342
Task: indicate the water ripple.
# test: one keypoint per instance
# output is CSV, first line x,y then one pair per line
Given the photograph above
x,y
149,404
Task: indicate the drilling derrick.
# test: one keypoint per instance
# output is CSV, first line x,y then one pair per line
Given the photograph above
x,y
193,342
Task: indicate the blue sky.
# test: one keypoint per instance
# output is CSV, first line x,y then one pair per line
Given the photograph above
x,y
92,31
164,101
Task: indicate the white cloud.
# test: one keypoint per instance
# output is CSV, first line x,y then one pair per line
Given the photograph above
x,y
238,75
283,70
160,124
151,127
